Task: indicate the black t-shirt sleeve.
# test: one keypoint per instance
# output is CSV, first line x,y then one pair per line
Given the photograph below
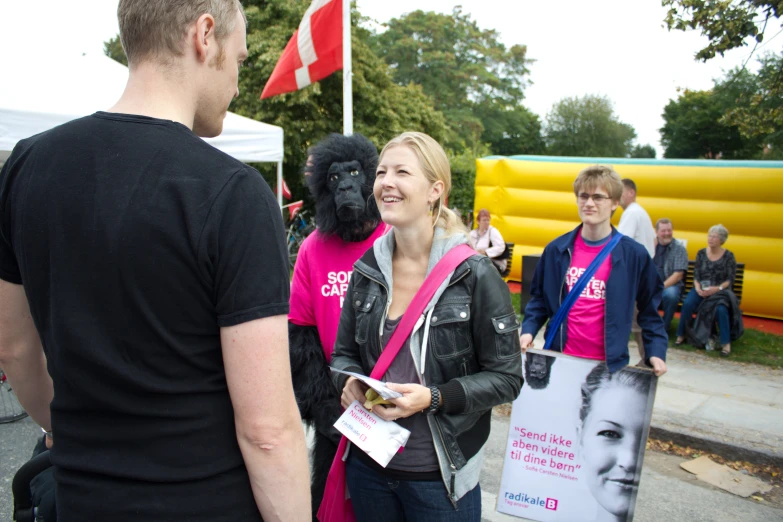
x,y
243,249
9,267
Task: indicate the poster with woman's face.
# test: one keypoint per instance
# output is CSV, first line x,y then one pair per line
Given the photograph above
x,y
576,440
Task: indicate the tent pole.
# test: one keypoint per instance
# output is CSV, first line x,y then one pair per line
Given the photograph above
x,y
347,71
280,183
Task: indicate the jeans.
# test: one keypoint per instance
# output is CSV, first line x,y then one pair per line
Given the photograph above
x,y
376,498
669,300
691,303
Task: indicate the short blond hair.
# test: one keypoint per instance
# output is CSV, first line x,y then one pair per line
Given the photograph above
x,y
435,166
156,29
599,176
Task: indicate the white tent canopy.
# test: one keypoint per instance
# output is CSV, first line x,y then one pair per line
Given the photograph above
x,y
35,97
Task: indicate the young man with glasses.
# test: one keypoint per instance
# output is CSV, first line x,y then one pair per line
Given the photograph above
x,y
599,323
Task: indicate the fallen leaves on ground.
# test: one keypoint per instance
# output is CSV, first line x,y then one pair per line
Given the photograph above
x,y
766,472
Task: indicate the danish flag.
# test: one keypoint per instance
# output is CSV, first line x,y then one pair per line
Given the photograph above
x,y
314,51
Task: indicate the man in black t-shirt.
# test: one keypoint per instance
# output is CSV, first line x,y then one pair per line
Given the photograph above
x,y
150,269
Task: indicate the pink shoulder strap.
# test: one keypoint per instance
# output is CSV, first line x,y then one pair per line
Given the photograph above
x,y
445,266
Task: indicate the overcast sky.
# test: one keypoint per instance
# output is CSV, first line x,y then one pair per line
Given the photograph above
x,y
613,47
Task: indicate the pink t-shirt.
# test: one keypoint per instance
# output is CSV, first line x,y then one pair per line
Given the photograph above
x,y
586,317
321,275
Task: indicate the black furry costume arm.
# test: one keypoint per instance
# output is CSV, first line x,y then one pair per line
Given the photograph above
x,y
316,396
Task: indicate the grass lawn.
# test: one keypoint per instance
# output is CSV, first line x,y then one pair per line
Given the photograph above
x,y
753,347
515,302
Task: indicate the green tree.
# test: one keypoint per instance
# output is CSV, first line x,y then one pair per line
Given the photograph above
x,y
510,130
463,177
727,24
730,24
643,151
754,102
587,126
472,77
113,49
381,107
692,128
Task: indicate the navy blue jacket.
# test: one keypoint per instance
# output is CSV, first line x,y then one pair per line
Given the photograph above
x,y
633,282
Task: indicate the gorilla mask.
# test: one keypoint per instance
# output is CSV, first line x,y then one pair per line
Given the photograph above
x,y
538,368
345,181
341,180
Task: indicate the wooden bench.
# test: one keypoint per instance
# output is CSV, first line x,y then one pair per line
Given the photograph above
x,y
736,287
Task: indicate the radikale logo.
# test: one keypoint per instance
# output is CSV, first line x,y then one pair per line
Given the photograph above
x,y
546,503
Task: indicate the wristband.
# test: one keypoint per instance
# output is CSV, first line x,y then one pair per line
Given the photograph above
x,y
47,433
435,402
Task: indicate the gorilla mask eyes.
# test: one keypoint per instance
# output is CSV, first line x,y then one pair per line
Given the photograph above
x,y
334,177
346,179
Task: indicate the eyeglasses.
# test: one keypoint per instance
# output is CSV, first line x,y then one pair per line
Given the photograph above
x,y
597,198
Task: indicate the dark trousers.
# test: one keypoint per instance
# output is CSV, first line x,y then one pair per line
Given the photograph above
x,y
376,498
669,300
691,303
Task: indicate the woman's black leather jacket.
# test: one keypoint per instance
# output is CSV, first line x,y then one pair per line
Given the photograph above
x,y
473,353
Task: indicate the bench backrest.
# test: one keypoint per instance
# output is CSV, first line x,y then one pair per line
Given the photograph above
x,y
736,287
509,251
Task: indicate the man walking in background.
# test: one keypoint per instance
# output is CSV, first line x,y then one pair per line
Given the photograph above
x,y
636,224
671,261
151,270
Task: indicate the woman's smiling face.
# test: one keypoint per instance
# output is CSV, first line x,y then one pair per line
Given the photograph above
x,y
609,444
401,189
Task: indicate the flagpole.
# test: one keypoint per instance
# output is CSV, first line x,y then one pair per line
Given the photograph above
x,y
347,70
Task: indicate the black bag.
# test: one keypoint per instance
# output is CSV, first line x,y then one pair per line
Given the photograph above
x,y
506,254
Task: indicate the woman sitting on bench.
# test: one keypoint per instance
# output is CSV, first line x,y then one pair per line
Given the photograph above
x,y
711,297
488,241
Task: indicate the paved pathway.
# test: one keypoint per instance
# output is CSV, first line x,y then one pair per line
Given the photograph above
x,y
664,494
736,404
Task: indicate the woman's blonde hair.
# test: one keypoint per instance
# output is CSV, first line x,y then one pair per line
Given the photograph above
x,y
435,166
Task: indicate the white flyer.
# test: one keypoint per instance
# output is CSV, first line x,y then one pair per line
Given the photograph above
x,y
378,438
375,384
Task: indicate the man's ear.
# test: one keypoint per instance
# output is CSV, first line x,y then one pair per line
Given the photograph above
x,y
203,39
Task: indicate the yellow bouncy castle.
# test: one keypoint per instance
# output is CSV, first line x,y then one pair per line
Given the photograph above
x,y
532,201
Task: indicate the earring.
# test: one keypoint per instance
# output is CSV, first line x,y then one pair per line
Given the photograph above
x,y
431,206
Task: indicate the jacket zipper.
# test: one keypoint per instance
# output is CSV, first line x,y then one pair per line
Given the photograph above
x,y
562,286
451,487
386,311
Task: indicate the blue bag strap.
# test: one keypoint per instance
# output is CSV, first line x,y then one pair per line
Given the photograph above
x,y
576,290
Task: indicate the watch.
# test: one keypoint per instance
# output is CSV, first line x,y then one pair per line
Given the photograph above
x,y
435,402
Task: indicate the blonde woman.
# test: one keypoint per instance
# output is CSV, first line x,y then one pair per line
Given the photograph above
x,y
462,359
